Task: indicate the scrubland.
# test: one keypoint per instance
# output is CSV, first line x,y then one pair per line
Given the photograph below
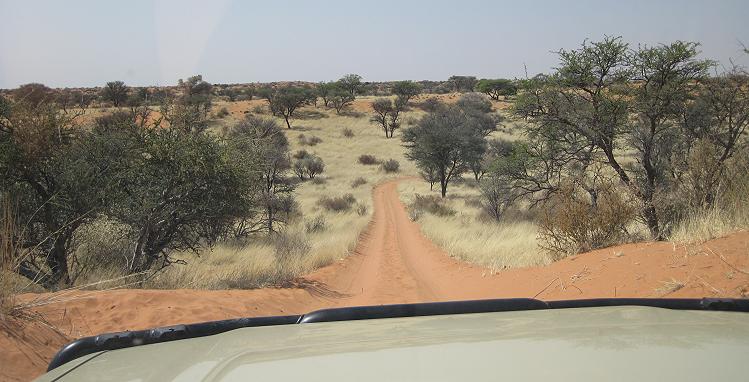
x,y
317,236
257,263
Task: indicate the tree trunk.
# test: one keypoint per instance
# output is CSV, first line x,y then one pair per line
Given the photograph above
x,y
651,219
142,256
57,261
443,186
270,220
286,118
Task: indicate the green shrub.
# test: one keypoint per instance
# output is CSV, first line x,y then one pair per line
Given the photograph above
x,y
301,154
311,141
429,203
390,165
361,209
222,113
358,182
570,224
367,159
308,166
430,104
338,204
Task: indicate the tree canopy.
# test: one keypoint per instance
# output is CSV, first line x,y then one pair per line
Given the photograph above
x,y
286,100
351,83
115,92
603,99
406,90
445,141
496,88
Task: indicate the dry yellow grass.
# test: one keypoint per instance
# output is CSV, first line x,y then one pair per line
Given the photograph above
x,y
708,224
729,213
511,244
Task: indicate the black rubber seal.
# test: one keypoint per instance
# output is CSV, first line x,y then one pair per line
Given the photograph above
x,y
121,340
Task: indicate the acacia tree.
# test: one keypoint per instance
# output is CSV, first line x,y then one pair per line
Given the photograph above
x,y
285,101
582,116
382,108
324,90
462,84
387,114
33,94
340,99
429,174
714,120
399,104
308,166
43,167
446,140
496,88
406,90
351,83
496,149
189,110
174,189
261,143
115,92
667,75
527,102
169,202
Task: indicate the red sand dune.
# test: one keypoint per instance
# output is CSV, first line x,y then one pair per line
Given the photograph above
x,y
393,263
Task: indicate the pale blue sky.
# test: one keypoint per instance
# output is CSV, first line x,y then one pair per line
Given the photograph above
x,y
86,43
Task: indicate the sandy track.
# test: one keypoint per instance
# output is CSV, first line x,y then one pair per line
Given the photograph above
x,y
393,263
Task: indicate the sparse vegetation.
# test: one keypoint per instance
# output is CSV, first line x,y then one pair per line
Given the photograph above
x,y
521,180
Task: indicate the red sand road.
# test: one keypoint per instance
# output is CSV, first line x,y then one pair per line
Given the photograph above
x,y
393,263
